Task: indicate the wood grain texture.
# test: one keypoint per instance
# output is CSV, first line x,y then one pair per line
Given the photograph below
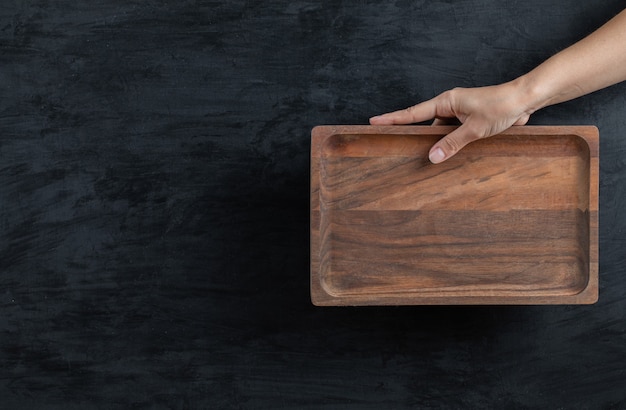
x,y
508,220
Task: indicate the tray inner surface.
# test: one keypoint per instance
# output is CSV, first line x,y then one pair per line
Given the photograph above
x,y
507,217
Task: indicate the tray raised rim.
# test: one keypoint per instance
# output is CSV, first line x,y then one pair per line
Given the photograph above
x,y
320,297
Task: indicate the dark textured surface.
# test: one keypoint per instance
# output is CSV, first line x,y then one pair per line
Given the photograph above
x,y
154,208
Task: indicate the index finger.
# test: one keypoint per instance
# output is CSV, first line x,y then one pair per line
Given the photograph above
x,y
421,112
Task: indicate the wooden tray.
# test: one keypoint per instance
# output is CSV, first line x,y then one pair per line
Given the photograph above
x,y
512,219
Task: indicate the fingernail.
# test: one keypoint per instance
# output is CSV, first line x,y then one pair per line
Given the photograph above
x,y
375,117
436,156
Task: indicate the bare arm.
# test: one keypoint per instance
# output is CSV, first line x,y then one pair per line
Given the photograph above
x,y
595,62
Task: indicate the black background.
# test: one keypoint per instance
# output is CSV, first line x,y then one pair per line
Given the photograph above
x,y
154,208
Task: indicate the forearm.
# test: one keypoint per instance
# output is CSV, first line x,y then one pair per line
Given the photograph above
x,y
595,62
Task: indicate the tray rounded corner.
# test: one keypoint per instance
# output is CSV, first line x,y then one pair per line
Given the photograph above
x,y
593,131
590,134
590,294
319,135
320,297
323,131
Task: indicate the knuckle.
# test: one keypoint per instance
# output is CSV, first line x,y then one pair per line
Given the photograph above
x,y
475,132
448,95
451,144
454,92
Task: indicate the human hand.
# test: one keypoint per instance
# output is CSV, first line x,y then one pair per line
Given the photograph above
x,y
483,112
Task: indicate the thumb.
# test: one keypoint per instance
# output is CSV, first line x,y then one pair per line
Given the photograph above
x,y
451,144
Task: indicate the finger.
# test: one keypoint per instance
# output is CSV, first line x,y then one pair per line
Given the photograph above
x,y
451,144
523,120
417,113
446,121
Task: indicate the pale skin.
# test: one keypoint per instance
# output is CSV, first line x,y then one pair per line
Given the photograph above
x,y
595,62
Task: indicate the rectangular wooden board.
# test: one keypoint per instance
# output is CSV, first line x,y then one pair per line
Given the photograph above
x,y
511,219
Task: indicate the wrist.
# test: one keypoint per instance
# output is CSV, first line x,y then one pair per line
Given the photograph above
x,y
532,94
